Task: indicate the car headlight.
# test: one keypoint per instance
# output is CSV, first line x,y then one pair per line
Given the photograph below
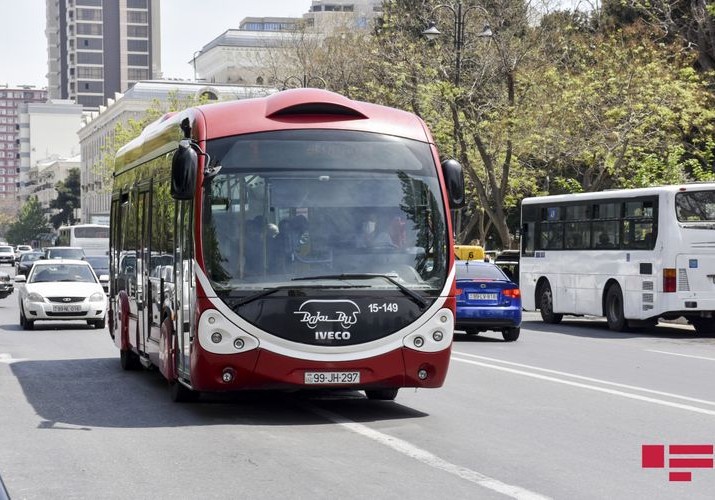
x,y
96,297
35,297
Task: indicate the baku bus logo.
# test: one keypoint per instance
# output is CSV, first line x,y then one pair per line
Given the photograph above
x,y
313,312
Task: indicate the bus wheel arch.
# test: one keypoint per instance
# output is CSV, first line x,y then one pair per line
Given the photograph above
x,y
545,302
613,307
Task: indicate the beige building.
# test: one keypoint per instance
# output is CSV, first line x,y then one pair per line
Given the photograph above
x,y
97,131
49,172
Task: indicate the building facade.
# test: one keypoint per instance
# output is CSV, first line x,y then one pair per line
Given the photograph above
x,y
47,130
98,128
97,48
11,130
261,49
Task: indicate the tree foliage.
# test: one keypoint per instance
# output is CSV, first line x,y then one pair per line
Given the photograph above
x,y
68,199
30,224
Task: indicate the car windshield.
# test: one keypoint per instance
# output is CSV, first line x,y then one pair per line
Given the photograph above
x,y
300,204
479,271
30,257
65,253
62,272
6,250
98,262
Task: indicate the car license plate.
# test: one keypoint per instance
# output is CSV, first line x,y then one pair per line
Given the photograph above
x,y
66,309
332,377
482,296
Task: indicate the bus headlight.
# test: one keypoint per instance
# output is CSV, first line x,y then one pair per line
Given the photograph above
x,y
238,344
419,342
437,335
216,337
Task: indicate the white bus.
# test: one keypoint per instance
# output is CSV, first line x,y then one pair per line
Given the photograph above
x,y
632,255
93,238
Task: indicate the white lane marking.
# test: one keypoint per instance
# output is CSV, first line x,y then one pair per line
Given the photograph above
x,y
8,359
683,355
614,392
428,458
589,379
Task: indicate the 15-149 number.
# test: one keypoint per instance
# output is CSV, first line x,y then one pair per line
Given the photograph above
x,y
384,307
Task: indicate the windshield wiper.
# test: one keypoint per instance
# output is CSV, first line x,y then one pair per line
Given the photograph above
x,y
366,276
269,291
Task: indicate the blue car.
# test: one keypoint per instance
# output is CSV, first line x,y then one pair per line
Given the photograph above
x,y
487,300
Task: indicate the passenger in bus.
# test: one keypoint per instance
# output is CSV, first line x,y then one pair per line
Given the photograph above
x,y
371,234
604,241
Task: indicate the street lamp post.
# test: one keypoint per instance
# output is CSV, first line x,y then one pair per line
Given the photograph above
x,y
460,15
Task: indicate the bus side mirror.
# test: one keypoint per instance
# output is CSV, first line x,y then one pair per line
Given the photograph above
x,y
454,179
183,171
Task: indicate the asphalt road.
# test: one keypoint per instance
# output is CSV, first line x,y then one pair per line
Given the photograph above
x,y
561,413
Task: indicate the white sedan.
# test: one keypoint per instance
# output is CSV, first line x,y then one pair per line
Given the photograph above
x,y
59,290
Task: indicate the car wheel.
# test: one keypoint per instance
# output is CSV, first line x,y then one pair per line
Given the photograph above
x,y
381,394
546,305
97,323
614,310
705,327
510,334
182,394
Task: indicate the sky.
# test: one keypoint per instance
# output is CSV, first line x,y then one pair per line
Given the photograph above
x,y
186,26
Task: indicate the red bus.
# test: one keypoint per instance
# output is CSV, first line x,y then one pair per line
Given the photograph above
x,y
301,240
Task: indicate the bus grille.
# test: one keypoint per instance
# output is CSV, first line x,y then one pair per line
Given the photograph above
x,y
683,284
647,297
648,285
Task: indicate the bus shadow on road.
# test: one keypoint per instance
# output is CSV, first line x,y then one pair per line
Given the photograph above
x,y
80,394
597,328
481,337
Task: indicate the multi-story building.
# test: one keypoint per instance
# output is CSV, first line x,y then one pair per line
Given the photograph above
x,y
46,174
261,48
47,130
11,99
97,48
98,129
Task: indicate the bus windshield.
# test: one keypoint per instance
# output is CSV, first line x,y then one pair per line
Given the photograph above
x,y
316,204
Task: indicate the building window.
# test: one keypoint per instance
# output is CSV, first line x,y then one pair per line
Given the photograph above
x,y
136,4
89,15
137,17
137,60
136,74
89,29
137,31
137,46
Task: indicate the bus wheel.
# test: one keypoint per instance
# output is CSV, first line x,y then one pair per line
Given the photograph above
x,y
129,360
182,394
510,334
705,327
381,394
546,305
614,310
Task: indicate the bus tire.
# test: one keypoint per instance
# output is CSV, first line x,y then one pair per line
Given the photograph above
x,y
704,327
381,394
617,321
181,394
510,334
546,305
129,360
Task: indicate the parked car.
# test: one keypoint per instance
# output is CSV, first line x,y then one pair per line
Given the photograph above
x,y
20,249
26,261
100,266
6,285
487,300
508,261
61,290
64,253
7,255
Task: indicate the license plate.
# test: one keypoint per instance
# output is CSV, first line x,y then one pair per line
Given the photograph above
x,y
482,296
66,309
332,377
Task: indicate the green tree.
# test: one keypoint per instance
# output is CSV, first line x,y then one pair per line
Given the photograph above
x,y
68,199
31,223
